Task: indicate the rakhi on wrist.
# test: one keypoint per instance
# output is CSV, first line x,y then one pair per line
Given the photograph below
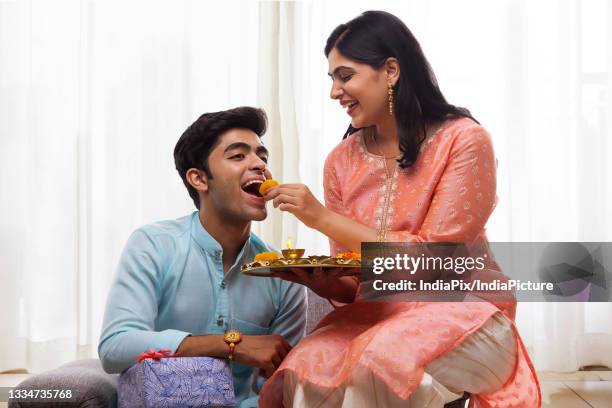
x,y
232,338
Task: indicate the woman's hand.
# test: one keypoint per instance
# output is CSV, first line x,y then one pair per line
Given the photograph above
x,y
299,201
339,284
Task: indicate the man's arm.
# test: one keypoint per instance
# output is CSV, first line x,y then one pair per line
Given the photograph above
x,y
264,352
132,307
290,319
211,345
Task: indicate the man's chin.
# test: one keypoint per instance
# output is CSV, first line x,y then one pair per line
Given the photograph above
x,y
258,215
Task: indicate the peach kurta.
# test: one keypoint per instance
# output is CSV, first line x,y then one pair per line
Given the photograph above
x,y
446,196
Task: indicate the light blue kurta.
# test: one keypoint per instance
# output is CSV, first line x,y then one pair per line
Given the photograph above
x,y
170,283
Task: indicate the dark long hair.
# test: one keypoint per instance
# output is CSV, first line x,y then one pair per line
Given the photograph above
x,y
372,38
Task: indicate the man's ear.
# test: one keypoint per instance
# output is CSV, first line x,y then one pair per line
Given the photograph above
x,y
392,69
198,179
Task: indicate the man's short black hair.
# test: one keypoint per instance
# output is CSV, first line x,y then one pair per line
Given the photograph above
x,y
196,143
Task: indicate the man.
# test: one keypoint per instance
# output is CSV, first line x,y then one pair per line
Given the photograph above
x,y
178,284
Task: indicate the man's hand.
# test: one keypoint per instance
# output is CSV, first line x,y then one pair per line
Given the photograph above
x,y
265,352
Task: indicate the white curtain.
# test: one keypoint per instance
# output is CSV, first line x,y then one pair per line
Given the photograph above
x,y
94,95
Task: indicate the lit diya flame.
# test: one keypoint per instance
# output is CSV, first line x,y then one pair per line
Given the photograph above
x,y
291,252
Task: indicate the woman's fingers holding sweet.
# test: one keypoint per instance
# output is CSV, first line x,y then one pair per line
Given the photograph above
x,y
289,208
298,200
271,193
296,187
291,186
285,199
291,189
298,190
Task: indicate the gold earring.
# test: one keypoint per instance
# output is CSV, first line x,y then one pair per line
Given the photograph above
x,y
390,94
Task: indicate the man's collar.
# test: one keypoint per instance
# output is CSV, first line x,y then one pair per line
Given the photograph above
x,y
207,242
202,237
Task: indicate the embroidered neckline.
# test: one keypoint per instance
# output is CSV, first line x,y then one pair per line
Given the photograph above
x,y
388,187
445,124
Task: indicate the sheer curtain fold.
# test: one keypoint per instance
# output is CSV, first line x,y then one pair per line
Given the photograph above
x,y
94,95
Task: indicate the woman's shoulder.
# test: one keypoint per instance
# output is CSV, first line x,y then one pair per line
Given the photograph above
x,y
463,126
458,132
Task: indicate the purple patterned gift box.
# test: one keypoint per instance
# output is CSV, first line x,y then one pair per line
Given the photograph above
x,y
177,382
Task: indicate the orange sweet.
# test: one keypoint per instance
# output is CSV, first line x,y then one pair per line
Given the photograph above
x,y
349,255
267,256
269,183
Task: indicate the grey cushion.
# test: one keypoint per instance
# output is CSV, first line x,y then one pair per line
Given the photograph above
x,y
317,308
91,387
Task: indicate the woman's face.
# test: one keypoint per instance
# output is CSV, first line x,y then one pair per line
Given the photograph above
x,y
360,89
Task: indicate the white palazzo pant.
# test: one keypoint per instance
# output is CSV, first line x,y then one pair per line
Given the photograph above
x,y
482,363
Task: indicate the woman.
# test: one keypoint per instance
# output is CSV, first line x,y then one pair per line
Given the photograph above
x,y
412,168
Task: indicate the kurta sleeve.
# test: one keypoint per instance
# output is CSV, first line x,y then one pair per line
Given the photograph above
x,y
132,306
465,196
332,195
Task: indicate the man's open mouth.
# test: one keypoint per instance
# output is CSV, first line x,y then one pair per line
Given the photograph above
x,y
252,187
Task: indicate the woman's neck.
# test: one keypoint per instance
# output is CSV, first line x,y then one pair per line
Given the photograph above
x,y
387,137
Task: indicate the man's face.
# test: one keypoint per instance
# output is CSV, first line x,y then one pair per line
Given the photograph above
x,y
238,166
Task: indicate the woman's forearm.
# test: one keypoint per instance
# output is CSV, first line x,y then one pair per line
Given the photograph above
x,y
345,290
345,231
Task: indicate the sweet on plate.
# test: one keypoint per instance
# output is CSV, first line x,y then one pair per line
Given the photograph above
x,y
267,256
348,255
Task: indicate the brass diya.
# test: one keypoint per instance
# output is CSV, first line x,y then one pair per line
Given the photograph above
x,y
293,253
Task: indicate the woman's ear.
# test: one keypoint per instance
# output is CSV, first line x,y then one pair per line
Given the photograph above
x,y
392,69
198,179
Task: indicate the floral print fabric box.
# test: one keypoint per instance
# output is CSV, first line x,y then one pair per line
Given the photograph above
x,y
177,382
